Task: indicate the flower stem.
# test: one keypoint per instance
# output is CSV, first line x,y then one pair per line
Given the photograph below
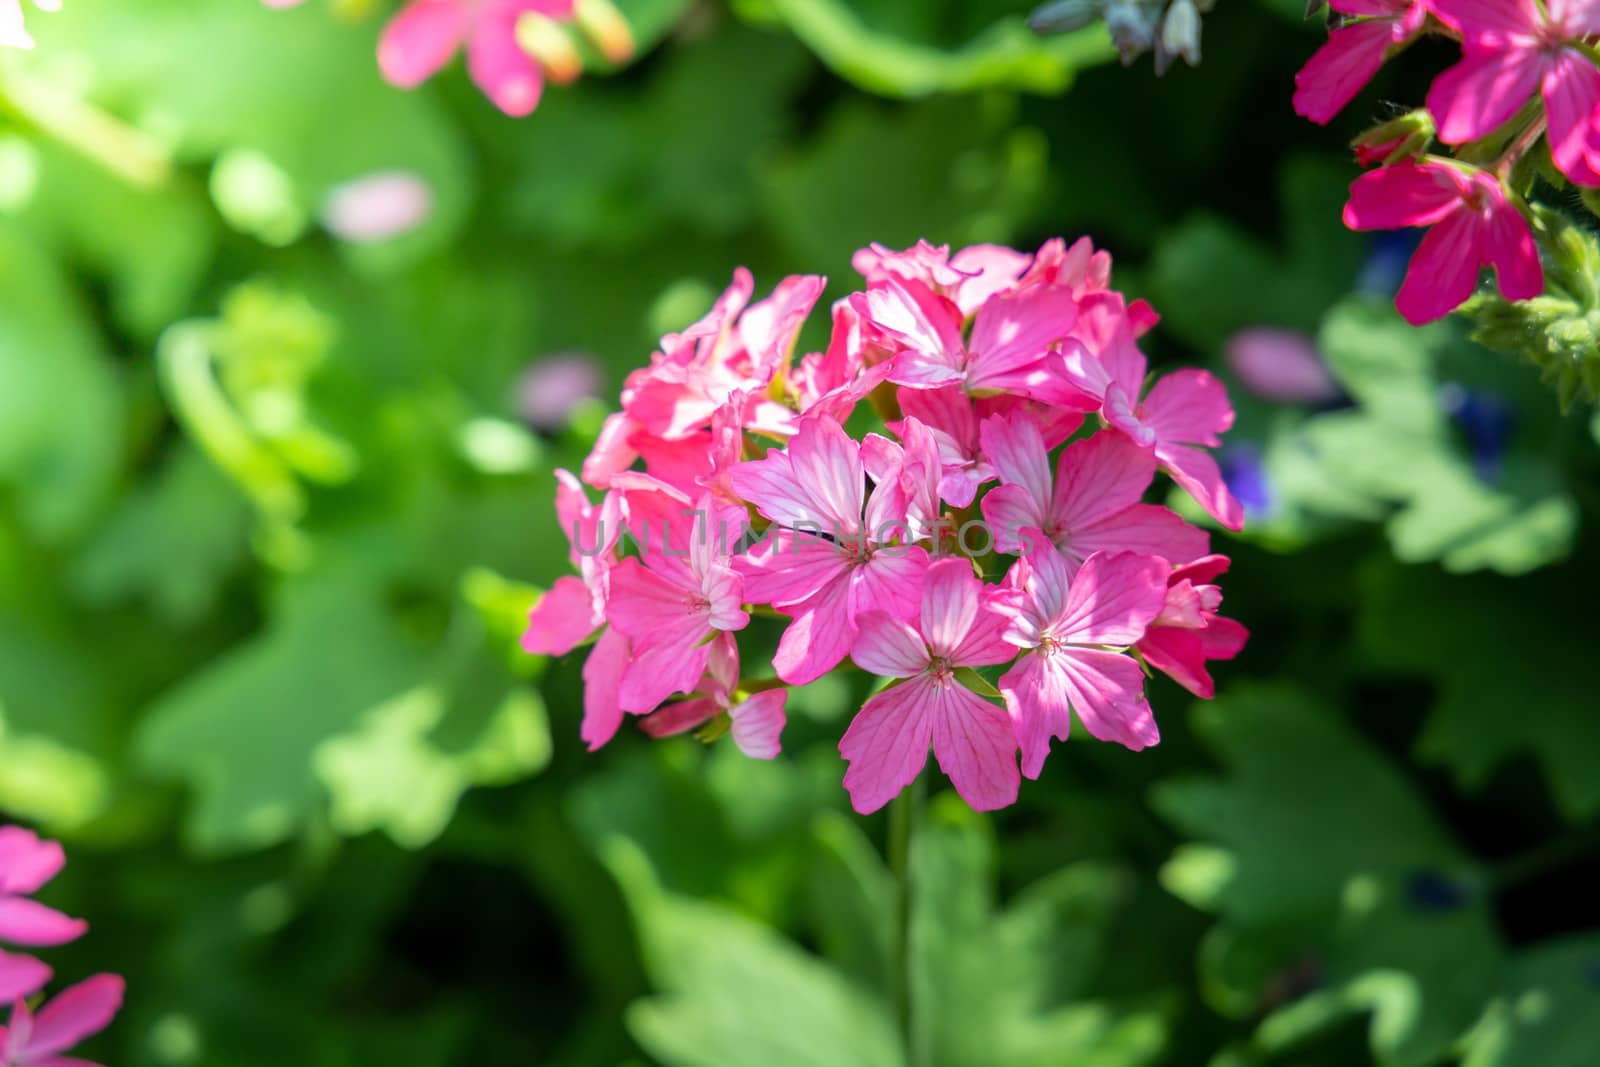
x,y
905,812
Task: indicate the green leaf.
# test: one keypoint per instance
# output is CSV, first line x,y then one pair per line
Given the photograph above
x,y
1415,619
1318,858
1548,1011
242,732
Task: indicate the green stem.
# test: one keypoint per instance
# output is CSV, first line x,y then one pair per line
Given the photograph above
x,y
1551,856
904,813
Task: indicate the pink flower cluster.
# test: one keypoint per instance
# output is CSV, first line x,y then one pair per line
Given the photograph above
x,y
1528,70
512,46
39,1039
734,484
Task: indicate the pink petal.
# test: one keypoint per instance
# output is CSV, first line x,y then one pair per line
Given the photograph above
x,y
1099,476
421,39
1014,517
1036,696
1198,475
888,647
818,639
758,723
1340,69
26,861
508,76
1496,19
787,568
973,741
642,603
1481,93
951,597
561,620
890,581
1113,599
1571,96
1013,331
1014,447
1283,366
1444,270
1107,691
1189,407
887,742
602,680
20,976
1406,194
27,922
1177,653
1143,528
75,1013
925,327
680,718
1509,246
1580,18
828,469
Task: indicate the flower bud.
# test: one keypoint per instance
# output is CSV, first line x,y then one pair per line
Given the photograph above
x,y
545,40
1180,35
1408,135
603,24
1133,30
1063,16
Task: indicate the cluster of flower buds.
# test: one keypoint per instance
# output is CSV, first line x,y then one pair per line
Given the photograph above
x,y
738,483
1527,90
38,1039
512,46
1168,28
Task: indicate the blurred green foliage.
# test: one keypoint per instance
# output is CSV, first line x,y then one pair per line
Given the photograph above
x,y
270,520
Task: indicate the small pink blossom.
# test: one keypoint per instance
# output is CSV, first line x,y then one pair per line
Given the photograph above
x,y
377,207
815,486
1091,504
427,34
671,608
551,387
1014,348
755,721
1072,630
1510,50
1188,632
71,1016
1472,224
960,624
26,865
1183,413
1353,53
1280,365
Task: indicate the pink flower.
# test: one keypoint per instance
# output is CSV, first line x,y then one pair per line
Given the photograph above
x,y
959,625
967,279
550,388
426,34
1188,632
76,1013
1280,365
1511,49
1092,504
1353,53
1072,629
377,207
574,607
1014,346
672,608
26,865
1185,409
818,485
1472,223
755,721
954,419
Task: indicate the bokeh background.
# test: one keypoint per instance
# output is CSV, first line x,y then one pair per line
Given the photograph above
x,y
273,504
